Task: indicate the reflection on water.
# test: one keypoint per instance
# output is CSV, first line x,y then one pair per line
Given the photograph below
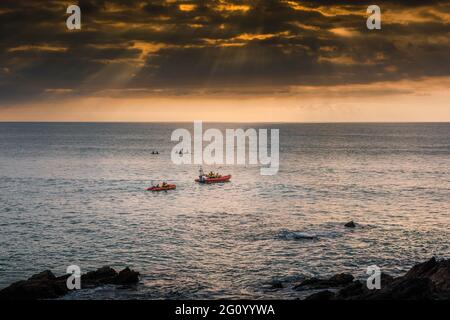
x,y
75,194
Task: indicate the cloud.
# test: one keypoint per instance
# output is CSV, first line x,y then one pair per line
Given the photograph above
x,y
185,47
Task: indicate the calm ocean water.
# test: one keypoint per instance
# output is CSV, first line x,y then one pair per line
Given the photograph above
x,y
75,194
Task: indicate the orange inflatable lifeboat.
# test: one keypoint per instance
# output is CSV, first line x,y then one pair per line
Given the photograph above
x,y
207,180
163,188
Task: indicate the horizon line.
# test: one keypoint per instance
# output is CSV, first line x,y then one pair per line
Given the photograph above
x,y
231,122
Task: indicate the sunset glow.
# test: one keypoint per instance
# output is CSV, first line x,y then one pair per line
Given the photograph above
x,y
287,61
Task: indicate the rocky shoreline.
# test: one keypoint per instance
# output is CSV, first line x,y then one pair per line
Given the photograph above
x,y
429,280
46,285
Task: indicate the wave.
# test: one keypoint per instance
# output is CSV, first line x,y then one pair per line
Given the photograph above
x,y
296,235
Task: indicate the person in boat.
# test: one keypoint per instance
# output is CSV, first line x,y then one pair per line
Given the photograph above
x,y
164,184
201,175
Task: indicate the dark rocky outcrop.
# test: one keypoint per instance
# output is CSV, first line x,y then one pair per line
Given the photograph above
x,y
438,272
104,275
276,284
44,275
43,285
127,276
350,224
46,285
425,281
322,295
353,289
335,281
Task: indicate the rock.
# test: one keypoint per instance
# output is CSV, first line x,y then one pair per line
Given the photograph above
x,y
127,276
44,275
441,276
39,286
306,236
437,272
422,269
108,275
341,279
425,281
45,285
353,289
407,289
321,295
337,280
358,288
350,224
386,279
306,284
104,275
296,235
276,284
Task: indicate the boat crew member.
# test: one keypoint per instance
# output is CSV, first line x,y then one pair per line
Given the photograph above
x,y
201,176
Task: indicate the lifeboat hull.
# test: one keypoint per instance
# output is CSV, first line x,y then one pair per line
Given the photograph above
x,y
214,180
169,187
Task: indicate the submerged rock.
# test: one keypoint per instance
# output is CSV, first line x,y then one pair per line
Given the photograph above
x,y
46,285
296,235
350,224
275,285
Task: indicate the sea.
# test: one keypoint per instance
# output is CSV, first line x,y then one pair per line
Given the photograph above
x,y
75,194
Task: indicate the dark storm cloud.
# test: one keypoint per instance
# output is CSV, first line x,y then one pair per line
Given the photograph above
x,y
179,47
369,2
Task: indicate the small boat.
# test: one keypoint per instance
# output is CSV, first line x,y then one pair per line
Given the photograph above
x,y
205,179
165,188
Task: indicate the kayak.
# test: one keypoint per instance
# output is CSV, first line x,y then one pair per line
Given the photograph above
x,y
215,180
168,187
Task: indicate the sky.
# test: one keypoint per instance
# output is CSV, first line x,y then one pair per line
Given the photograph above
x,y
225,60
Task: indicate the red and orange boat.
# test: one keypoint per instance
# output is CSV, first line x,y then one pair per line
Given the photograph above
x,y
207,180
163,188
